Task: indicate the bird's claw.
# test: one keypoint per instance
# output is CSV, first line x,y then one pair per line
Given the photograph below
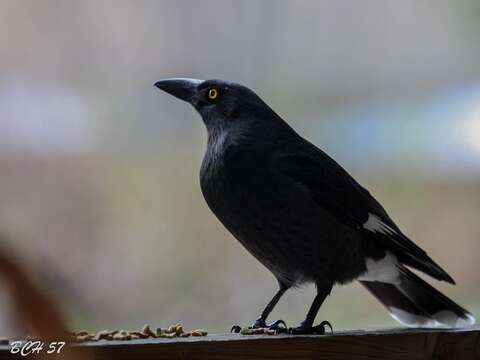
x,y
279,326
313,330
326,323
235,329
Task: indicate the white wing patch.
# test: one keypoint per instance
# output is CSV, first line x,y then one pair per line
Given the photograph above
x,y
383,270
375,224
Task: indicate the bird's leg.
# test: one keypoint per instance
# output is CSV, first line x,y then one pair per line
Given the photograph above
x,y
261,321
306,326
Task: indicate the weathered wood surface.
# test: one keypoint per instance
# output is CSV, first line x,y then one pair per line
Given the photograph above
x,y
394,344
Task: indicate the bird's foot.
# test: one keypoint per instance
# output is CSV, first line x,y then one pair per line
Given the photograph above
x,y
310,330
261,327
278,327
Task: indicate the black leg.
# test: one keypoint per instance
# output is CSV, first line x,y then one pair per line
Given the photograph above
x,y
306,327
261,322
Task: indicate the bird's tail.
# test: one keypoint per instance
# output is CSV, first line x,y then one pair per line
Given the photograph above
x,y
414,303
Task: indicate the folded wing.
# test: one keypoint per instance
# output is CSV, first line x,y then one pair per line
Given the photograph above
x,y
332,188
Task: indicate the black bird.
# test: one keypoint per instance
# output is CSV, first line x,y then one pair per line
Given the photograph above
x,y
302,215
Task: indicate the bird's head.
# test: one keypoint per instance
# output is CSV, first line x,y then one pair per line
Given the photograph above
x,y
219,102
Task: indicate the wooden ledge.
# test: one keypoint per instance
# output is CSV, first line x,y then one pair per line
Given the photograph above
x,y
393,344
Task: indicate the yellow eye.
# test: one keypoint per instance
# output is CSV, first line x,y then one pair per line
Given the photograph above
x,y
212,94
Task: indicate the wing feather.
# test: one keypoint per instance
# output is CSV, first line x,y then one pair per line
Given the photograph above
x,y
336,191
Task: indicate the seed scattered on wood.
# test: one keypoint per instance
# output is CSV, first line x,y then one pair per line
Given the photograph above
x,y
148,331
171,329
171,332
86,337
102,334
199,332
139,334
258,331
246,331
179,330
168,335
118,336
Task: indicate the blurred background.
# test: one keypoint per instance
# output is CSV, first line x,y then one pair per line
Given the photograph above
x,y
99,170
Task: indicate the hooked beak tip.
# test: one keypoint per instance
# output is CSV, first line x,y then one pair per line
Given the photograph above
x,y
161,83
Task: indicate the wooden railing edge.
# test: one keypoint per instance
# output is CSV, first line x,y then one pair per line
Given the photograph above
x,y
394,344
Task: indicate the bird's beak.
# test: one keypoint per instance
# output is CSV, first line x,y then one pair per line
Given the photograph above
x,y
181,88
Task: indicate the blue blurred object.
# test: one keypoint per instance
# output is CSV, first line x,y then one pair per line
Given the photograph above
x,y
439,136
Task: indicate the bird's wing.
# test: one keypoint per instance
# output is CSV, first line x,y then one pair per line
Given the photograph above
x,y
332,188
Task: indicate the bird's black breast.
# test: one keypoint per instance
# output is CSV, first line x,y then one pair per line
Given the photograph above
x,y
274,218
